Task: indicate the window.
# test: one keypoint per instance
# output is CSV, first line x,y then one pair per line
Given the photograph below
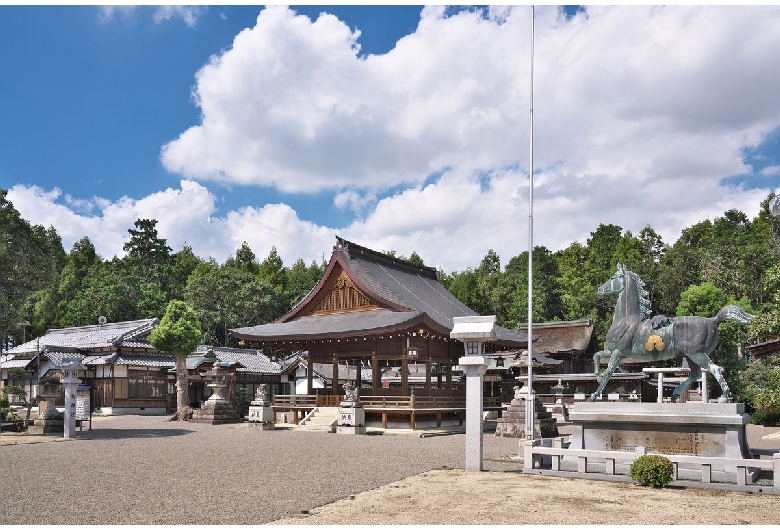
x,y
146,387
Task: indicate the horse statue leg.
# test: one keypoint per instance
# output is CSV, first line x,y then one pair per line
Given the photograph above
x,y
597,362
695,375
703,360
614,361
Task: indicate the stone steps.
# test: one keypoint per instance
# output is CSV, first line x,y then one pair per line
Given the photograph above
x,y
320,420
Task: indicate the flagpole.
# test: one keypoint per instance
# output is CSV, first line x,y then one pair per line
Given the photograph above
x,y
529,407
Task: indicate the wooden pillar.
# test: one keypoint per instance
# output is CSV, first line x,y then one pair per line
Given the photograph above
x,y
358,369
335,375
309,374
428,376
376,380
438,376
404,375
448,373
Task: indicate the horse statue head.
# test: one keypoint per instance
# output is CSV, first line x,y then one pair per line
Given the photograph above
x,y
632,296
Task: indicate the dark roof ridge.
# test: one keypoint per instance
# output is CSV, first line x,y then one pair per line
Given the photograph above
x,y
108,325
353,250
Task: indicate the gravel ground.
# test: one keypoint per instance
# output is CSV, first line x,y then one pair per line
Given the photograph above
x,y
146,470
130,470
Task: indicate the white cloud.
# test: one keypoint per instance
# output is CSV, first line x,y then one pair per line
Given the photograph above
x,y
188,14
619,91
770,171
184,215
639,115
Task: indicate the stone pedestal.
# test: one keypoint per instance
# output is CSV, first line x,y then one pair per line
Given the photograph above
x,y
216,409
512,422
261,413
352,418
701,429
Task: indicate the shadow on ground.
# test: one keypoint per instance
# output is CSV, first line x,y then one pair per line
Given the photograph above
x,y
118,434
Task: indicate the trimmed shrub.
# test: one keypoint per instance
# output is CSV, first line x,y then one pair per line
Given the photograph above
x,y
652,470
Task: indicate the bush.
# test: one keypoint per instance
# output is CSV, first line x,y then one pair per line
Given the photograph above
x,y
652,470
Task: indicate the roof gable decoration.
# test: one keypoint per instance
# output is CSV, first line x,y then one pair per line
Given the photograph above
x,y
343,295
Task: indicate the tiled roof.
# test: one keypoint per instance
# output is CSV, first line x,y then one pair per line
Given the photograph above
x,y
96,360
559,337
15,363
250,360
97,337
411,293
57,356
333,325
160,361
291,363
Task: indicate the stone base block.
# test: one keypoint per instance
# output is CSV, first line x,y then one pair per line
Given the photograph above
x,y
512,422
262,414
351,417
215,413
345,429
260,426
701,429
56,427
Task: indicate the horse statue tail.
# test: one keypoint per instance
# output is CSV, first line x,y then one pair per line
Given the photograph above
x,y
735,313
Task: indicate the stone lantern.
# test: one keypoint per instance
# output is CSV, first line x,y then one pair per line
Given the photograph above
x,y
50,420
216,409
474,331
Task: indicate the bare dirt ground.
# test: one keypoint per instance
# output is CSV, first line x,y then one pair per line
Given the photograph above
x,y
503,498
455,496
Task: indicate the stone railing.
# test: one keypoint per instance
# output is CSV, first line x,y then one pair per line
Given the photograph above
x,y
547,460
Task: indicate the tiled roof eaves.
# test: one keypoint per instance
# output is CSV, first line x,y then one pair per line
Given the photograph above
x,y
341,325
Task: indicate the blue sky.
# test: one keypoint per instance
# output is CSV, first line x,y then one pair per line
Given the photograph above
x,y
281,127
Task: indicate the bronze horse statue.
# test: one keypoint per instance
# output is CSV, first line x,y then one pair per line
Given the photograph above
x,y
634,334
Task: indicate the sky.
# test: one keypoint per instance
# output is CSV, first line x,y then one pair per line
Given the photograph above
x,y
400,128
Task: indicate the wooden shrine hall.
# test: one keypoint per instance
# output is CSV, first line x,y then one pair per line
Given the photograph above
x,y
376,311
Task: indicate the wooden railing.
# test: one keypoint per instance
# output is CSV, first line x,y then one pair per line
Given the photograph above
x,y
415,401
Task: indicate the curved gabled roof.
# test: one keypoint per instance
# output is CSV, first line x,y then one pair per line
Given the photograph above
x,y
405,295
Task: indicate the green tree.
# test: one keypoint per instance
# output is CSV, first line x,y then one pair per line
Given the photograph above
x,y
228,297
547,300
578,295
24,266
302,279
245,259
178,334
681,265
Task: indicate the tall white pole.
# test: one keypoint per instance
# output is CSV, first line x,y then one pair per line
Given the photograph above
x,y
529,409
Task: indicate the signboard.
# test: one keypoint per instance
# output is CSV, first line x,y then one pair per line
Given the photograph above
x,y
82,404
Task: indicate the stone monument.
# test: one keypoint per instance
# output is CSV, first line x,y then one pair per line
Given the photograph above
x,y
352,416
50,421
512,423
216,409
261,413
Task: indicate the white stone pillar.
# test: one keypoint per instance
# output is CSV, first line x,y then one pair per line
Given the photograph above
x,y
70,382
705,391
474,331
660,387
474,420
